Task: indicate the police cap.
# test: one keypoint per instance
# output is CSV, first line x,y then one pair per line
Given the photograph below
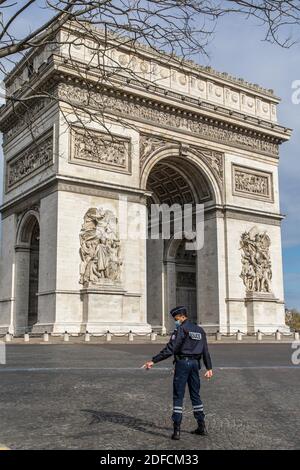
x,y
181,310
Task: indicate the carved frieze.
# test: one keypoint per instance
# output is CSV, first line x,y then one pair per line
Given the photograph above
x,y
256,262
93,148
25,118
99,248
204,127
252,183
34,158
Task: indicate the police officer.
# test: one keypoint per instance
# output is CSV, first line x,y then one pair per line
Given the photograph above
x,y
188,344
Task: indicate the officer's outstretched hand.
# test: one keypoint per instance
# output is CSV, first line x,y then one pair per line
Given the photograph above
x,y
208,374
148,365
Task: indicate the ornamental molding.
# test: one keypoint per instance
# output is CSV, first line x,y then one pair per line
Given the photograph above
x,y
34,158
170,117
252,183
94,148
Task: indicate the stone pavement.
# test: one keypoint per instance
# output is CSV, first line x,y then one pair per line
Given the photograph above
x,y
87,396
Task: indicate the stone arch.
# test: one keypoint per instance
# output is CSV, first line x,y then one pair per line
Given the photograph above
x,y
25,227
172,246
27,271
184,162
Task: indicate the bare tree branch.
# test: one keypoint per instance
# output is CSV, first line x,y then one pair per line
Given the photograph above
x,y
180,28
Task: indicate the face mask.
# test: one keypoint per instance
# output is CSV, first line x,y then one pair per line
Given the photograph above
x,y
177,323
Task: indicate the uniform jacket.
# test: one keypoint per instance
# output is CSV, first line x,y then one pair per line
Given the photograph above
x,y
188,339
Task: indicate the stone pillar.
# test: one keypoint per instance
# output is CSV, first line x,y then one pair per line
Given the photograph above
x,y
210,277
155,284
47,295
7,274
21,289
170,293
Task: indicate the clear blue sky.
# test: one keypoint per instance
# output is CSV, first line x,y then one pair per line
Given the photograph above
x,y
238,49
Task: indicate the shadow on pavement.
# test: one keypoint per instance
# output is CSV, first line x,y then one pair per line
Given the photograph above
x,y
137,424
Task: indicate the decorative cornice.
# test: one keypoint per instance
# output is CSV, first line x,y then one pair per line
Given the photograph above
x,y
129,106
73,184
58,69
122,44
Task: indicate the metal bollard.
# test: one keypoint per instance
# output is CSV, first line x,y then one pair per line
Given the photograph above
x,y
46,337
7,337
296,335
26,337
108,336
278,335
153,336
130,336
239,336
87,337
218,336
259,335
66,336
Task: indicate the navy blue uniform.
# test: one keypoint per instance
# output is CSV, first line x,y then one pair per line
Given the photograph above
x,y
188,344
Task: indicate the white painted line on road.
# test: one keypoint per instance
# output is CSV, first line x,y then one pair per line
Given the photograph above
x,y
256,367
46,369
54,369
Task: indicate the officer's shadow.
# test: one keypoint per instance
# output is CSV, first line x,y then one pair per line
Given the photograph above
x,y
137,424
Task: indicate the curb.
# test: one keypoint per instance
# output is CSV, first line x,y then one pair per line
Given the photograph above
x,y
94,342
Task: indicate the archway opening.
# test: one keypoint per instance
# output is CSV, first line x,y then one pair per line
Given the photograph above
x,y
27,273
33,275
186,283
172,267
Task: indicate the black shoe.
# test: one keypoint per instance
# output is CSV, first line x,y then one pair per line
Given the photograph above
x,y
201,429
176,433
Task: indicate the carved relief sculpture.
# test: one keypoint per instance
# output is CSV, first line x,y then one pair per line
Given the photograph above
x,y
99,248
100,149
29,161
256,263
252,183
149,144
214,159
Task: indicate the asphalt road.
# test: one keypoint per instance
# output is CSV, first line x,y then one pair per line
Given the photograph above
x,y
97,397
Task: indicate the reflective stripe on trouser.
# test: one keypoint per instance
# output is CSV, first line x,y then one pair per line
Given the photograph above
x,y
186,372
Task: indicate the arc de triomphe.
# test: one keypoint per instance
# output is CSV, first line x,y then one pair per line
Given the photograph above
x,y
173,134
